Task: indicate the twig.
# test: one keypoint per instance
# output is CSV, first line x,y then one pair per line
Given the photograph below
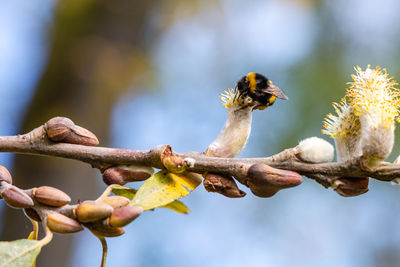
x,y
36,143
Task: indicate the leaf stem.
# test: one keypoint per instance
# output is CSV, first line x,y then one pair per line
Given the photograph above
x,y
105,249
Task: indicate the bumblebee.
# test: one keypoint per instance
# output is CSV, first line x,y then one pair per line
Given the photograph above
x,y
260,90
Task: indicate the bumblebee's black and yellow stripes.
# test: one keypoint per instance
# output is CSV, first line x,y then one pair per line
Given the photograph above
x,y
260,89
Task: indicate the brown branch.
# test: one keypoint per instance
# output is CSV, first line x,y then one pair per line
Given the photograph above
x,y
36,142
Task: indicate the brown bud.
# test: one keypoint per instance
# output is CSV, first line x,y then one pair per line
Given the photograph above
x,y
91,211
265,181
5,175
51,196
351,186
174,164
124,215
62,224
105,230
16,198
82,136
61,129
115,201
222,184
111,176
123,174
31,213
58,128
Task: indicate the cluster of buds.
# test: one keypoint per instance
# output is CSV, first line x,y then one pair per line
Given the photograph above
x,y
364,124
105,217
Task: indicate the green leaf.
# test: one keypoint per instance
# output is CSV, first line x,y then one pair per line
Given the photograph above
x,y
19,253
33,236
177,206
163,188
124,191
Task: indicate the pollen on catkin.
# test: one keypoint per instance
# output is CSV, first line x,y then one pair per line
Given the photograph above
x,y
365,120
345,123
373,91
228,97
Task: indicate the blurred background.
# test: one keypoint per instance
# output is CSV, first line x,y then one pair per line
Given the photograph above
x,y
143,73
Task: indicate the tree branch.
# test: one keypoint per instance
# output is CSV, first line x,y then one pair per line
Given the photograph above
x,y
36,142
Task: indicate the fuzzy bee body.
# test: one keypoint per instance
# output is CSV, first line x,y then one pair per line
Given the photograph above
x,y
259,89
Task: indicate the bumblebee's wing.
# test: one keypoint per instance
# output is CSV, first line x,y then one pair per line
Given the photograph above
x,y
276,91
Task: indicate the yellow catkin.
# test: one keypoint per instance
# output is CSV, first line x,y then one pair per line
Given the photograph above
x,y
372,90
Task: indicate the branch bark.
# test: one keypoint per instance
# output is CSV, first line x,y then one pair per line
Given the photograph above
x,y
36,142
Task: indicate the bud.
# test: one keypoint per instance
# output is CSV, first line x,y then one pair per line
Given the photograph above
x,y
82,136
351,187
61,129
31,213
91,211
58,128
115,201
5,175
124,215
265,181
51,196
104,230
222,184
62,224
315,150
123,174
16,197
174,164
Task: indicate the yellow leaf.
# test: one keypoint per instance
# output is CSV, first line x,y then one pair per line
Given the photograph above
x,y
124,191
163,188
177,206
128,192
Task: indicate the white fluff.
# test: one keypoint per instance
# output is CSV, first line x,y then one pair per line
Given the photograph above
x,y
377,139
233,137
315,150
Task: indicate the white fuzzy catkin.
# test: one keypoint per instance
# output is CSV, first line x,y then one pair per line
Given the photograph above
x,y
376,141
345,128
365,119
315,150
233,137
